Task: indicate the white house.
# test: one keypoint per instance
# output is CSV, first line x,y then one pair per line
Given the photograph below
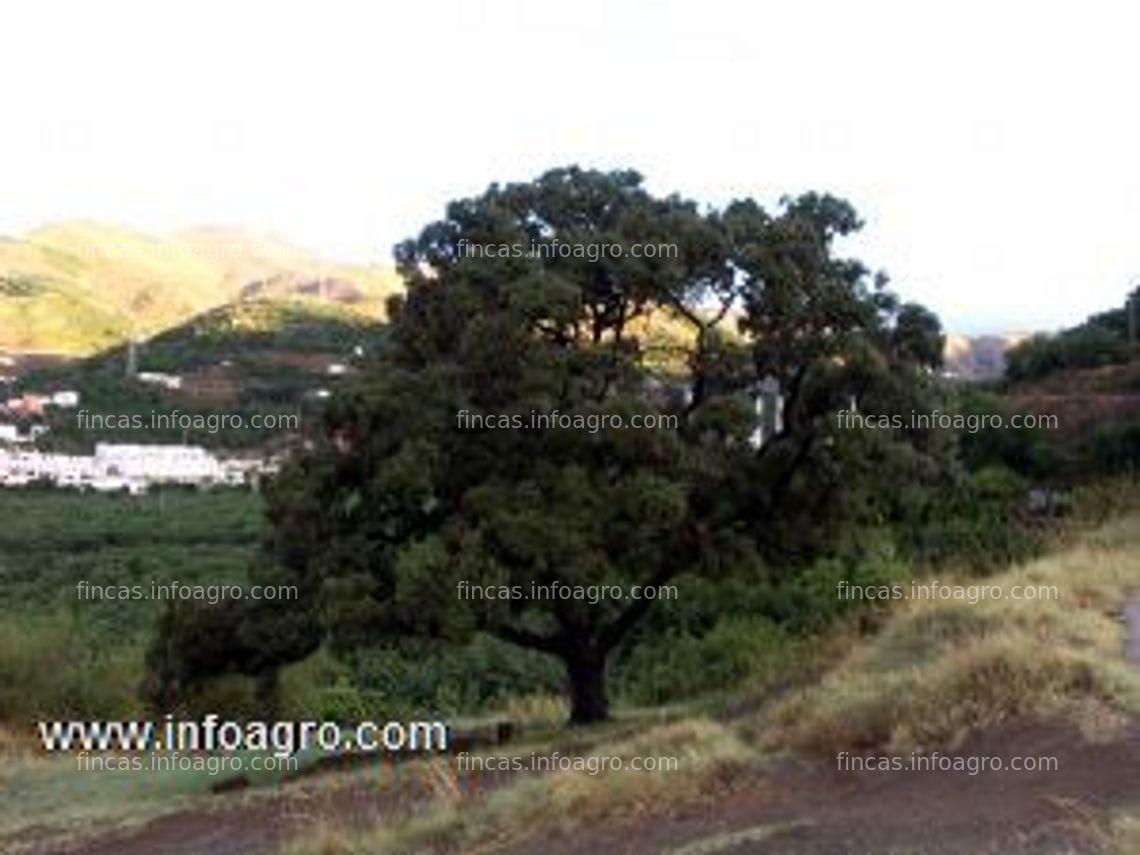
x,y
157,378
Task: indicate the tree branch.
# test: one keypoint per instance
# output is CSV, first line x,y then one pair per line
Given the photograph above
x,y
616,631
526,638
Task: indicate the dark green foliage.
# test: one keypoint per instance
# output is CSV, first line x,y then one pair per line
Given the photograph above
x,y
64,656
397,503
1101,340
681,665
421,677
981,521
720,632
1114,449
918,336
51,540
1030,452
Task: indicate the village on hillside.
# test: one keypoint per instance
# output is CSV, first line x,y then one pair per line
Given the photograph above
x,y
131,468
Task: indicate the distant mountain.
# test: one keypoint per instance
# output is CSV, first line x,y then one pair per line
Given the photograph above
x,y
76,288
978,357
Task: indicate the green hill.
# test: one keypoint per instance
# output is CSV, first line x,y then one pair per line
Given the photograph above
x,y
78,288
256,356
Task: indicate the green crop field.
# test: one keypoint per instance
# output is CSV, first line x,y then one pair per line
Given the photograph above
x,y
52,540
60,652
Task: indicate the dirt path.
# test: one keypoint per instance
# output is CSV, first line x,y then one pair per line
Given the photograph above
x,y
812,808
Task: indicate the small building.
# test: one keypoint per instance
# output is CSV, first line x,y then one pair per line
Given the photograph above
x,y
27,405
157,378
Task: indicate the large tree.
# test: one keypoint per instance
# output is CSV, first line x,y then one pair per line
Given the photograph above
x,y
397,500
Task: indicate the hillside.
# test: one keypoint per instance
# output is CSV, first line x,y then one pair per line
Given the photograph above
x,y
263,356
79,287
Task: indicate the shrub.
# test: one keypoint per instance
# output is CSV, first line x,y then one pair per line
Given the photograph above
x,y
422,677
682,666
1088,346
1115,448
49,668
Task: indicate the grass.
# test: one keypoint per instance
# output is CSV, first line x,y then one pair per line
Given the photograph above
x,y
561,801
1126,833
52,798
941,669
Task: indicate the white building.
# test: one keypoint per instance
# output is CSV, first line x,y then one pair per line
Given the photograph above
x,y
157,378
130,468
177,464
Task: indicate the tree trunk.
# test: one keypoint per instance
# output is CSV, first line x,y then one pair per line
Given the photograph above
x,y
586,672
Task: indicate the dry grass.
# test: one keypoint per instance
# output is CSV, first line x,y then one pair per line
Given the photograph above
x,y
708,753
1126,833
940,669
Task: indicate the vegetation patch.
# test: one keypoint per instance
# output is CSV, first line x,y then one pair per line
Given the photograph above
x,y
940,669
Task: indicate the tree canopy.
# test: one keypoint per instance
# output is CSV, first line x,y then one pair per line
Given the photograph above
x,y
399,500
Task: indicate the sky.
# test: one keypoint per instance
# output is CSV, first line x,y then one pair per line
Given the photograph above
x,y
991,147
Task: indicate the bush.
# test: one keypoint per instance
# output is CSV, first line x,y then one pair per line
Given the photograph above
x,y
1089,346
49,668
1028,452
426,678
683,666
981,523
1115,448
721,633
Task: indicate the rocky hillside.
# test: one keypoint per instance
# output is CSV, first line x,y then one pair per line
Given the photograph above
x,y
978,357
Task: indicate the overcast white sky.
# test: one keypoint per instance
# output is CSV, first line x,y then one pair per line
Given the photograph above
x,y
991,147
